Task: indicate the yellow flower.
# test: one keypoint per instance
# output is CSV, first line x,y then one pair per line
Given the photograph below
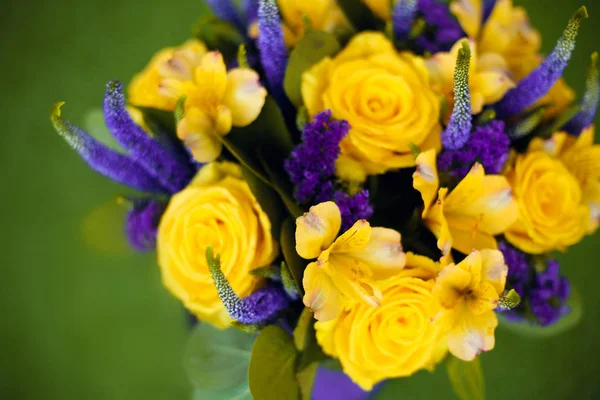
x,y
468,293
218,101
478,208
381,8
217,209
167,77
489,77
347,267
324,15
556,185
384,95
394,340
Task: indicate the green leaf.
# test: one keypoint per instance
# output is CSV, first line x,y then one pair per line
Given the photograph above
x,y
295,263
556,125
563,325
289,284
219,35
306,380
312,48
268,199
93,123
360,15
217,361
466,378
159,119
270,272
281,183
272,372
305,340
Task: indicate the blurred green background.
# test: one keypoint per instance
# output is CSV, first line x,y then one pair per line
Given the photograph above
x,y
78,323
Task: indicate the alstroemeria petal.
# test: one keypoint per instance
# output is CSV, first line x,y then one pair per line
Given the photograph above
x,y
383,254
198,132
472,335
317,229
450,282
171,173
320,293
494,269
425,178
244,96
354,239
113,165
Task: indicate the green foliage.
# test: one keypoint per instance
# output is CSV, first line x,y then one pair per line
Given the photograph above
x,y
219,35
313,47
159,120
272,372
360,15
295,263
565,324
545,131
270,272
216,362
466,378
267,197
289,284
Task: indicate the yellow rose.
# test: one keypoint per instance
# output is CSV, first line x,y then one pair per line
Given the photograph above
x,y
384,95
393,340
217,209
552,214
162,82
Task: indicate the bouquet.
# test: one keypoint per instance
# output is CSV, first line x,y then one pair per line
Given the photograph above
x,y
345,192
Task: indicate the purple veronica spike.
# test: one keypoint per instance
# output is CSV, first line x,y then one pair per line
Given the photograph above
x,y
260,307
542,293
251,9
403,18
172,174
353,208
311,164
488,145
459,128
589,104
443,28
113,165
141,223
535,85
488,7
227,11
273,53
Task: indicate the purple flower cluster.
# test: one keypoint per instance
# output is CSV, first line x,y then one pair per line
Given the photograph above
x,y
141,224
353,208
444,28
543,294
488,145
311,165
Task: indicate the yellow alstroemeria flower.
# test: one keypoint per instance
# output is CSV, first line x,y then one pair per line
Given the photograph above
x,y
477,209
468,293
167,77
489,76
347,267
381,8
557,186
394,340
323,15
218,101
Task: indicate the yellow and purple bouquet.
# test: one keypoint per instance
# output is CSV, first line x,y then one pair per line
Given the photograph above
x,y
366,186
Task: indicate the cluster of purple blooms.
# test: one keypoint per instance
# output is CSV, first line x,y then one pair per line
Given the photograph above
x,y
311,168
543,293
444,30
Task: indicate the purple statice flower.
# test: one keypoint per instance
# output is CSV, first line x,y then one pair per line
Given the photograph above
x,y
589,105
403,17
311,165
535,85
443,30
457,133
543,294
141,223
227,11
260,307
353,208
271,46
489,145
143,149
